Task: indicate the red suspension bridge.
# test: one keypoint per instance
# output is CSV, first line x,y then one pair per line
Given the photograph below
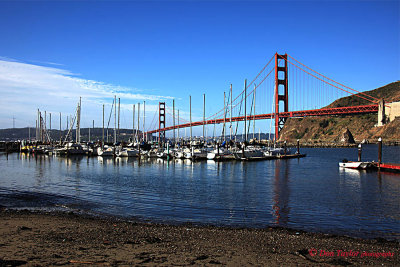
x,y
308,90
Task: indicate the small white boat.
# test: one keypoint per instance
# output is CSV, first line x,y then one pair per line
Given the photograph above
x,y
350,164
180,154
162,154
197,153
70,149
355,165
219,154
249,153
127,152
105,152
270,152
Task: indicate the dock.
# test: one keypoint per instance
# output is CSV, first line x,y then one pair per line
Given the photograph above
x,y
392,167
289,156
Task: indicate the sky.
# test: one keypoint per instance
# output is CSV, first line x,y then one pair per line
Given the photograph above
x,y
53,52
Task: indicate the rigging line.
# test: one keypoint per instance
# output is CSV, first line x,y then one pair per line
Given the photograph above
x,y
332,84
240,111
333,80
176,116
247,85
212,116
152,124
251,112
109,119
272,111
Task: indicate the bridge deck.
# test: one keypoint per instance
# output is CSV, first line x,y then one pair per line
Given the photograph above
x,y
302,113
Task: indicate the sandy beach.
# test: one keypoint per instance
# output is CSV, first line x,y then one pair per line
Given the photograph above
x,y
43,239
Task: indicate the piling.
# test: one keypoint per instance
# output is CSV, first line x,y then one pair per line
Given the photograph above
x,y
298,146
359,152
379,152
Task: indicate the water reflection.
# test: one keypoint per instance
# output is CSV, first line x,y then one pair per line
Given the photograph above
x,y
281,193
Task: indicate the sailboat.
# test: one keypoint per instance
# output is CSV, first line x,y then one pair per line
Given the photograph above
x,y
127,152
106,151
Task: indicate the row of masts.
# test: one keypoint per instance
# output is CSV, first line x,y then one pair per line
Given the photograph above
x,y
226,105
42,133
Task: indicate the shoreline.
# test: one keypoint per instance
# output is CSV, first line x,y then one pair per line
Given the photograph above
x,y
57,238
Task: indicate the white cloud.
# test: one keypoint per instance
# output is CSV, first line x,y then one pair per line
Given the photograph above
x,y
26,87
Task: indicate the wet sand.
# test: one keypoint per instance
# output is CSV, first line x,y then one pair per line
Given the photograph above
x,y
43,239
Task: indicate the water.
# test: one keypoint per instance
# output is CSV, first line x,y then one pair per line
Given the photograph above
x,y
310,194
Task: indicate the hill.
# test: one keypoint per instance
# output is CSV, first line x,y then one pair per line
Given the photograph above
x,y
14,134
390,92
331,128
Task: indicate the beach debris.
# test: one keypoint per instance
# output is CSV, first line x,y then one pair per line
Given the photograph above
x,y
89,262
24,228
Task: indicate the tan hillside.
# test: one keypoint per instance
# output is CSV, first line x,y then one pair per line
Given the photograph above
x,y
331,128
390,92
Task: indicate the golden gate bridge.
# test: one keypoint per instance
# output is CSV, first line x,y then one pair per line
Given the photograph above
x,y
308,89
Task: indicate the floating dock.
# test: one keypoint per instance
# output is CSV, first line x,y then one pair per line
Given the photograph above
x,y
289,156
392,167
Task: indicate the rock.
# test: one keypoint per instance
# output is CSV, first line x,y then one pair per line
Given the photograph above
x,y
347,137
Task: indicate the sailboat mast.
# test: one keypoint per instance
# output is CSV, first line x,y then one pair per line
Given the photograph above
x,y
144,118
133,124
138,121
45,126
37,125
115,119
173,117
119,114
78,124
60,129
50,127
231,113
204,114
102,136
178,124
224,119
190,107
245,109
254,110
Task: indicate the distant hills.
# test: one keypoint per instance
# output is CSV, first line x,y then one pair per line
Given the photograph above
x,y
13,134
95,134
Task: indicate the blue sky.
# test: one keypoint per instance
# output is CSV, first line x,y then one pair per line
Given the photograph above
x,y
172,49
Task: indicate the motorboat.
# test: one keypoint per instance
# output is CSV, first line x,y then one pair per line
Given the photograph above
x,y
355,164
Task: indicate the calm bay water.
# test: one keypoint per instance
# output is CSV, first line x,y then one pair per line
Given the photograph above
x,y
310,193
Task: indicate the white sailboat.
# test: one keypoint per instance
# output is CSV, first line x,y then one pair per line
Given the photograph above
x,y
127,152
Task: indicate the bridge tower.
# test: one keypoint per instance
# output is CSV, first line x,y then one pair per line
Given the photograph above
x,y
281,91
161,122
